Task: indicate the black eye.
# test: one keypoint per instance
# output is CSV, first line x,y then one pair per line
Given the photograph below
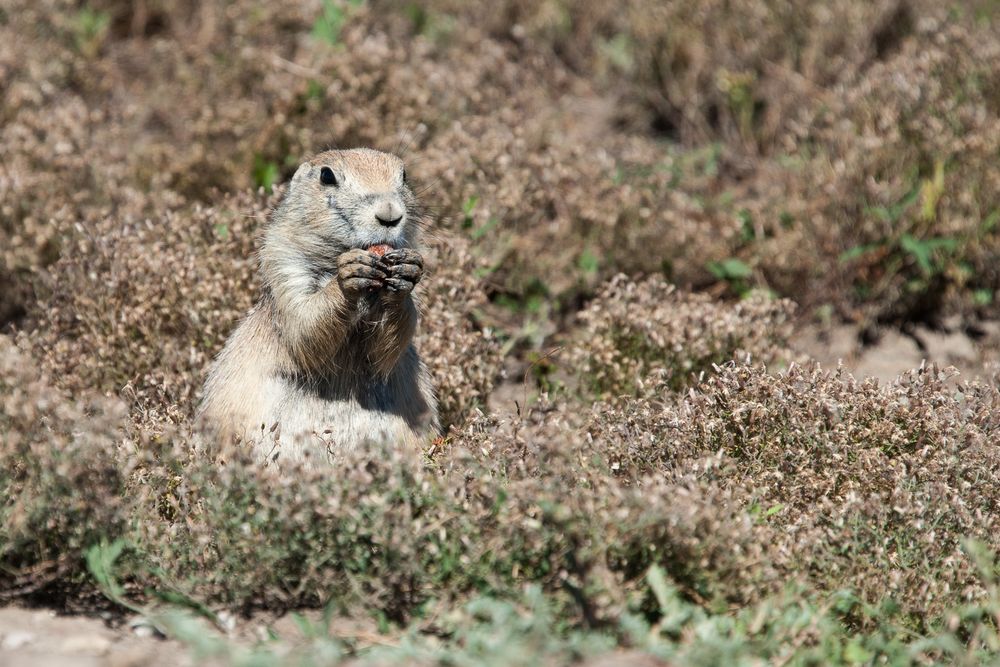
x,y
327,177
405,177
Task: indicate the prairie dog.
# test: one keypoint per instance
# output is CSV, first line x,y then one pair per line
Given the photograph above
x,y
325,360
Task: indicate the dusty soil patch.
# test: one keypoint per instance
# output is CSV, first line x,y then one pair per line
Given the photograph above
x,y
41,638
894,351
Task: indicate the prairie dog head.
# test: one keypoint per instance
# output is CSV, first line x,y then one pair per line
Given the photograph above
x,y
339,200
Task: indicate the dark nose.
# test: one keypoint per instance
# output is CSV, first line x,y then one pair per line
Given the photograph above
x,y
388,222
389,212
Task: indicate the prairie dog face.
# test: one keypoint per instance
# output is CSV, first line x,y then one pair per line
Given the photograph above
x,y
352,199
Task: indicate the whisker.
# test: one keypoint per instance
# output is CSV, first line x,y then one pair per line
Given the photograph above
x,y
428,188
403,144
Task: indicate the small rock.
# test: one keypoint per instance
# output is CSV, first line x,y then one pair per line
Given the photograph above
x,y
143,631
226,620
15,640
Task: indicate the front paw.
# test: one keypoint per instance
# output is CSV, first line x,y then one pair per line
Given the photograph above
x,y
359,271
406,268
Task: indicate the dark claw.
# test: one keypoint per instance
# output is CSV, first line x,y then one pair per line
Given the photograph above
x,y
404,256
410,272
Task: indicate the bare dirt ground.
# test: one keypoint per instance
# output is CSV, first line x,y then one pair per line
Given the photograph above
x,y
41,638
31,637
894,351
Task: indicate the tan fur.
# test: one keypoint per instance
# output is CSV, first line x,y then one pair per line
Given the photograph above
x,y
319,366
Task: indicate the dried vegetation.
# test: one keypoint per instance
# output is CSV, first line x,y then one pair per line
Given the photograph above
x,y
663,190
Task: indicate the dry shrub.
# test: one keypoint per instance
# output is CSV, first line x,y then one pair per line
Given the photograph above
x,y
829,123
747,481
463,359
391,533
555,215
144,306
637,337
899,203
87,132
869,487
679,520
740,71
560,196
731,71
132,216
61,483
148,302
243,535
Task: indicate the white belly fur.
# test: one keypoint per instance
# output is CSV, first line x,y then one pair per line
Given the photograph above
x,y
288,420
311,428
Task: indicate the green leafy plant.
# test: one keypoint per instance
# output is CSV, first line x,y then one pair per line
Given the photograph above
x,y
733,271
334,17
90,29
265,173
930,255
101,559
468,207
